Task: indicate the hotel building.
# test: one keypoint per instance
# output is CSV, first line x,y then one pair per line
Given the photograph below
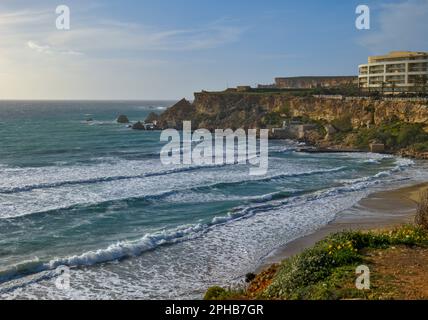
x,y
398,71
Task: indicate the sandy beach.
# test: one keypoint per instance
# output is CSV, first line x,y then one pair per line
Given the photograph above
x,y
379,210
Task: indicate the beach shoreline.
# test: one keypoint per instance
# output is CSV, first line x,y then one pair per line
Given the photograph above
x,y
379,210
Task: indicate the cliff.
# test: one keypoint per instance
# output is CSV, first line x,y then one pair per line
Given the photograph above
x,y
344,119
250,108
174,116
219,110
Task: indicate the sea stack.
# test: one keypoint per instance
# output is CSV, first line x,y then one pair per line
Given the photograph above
x,y
122,119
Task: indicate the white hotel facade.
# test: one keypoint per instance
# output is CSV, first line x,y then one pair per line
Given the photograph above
x,y
398,71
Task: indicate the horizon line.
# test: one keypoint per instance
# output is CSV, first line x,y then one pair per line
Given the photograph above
x,y
82,99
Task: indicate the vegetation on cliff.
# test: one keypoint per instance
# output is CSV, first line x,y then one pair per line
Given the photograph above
x,y
394,135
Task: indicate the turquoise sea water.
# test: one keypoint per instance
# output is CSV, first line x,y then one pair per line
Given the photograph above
x,y
94,196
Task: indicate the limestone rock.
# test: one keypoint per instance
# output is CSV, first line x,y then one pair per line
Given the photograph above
x,y
122,119
138,126
152,118
174,116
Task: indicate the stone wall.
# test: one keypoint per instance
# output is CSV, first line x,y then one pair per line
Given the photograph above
x,y
314,82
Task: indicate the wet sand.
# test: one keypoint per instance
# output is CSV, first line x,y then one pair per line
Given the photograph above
x,y
379,210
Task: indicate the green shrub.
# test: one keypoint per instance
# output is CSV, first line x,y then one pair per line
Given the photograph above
x,y
285,110
310,274
394,135
273,119
359,240
336,286
311,266
408,235
421,146
343,124
410,134
216,293
327,270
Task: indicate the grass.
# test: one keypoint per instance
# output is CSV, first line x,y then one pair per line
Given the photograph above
x,y
421,146
327,271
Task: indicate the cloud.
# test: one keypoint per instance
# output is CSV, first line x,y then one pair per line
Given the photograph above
x,y
23,17
49,50
36,29
38,48
402,26
134,38
196,39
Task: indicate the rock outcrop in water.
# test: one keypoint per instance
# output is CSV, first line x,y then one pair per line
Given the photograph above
x,y
138,126
122,119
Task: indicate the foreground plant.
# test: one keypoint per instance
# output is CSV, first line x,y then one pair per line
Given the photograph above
x,y
327,271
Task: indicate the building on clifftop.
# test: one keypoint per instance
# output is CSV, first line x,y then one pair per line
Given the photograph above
x,y
396,72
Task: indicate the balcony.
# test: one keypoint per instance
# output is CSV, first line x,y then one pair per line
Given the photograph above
x,y
417,79
396,79
377,70
396,70
418,67
364,70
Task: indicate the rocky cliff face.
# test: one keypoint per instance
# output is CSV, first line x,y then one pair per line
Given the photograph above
x,y
174,116
362,112
250,108
247,110
337,122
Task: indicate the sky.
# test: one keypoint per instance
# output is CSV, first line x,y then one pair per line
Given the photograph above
x,y
159,49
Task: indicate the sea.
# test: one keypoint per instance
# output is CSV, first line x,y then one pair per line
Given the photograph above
x,y
85,195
